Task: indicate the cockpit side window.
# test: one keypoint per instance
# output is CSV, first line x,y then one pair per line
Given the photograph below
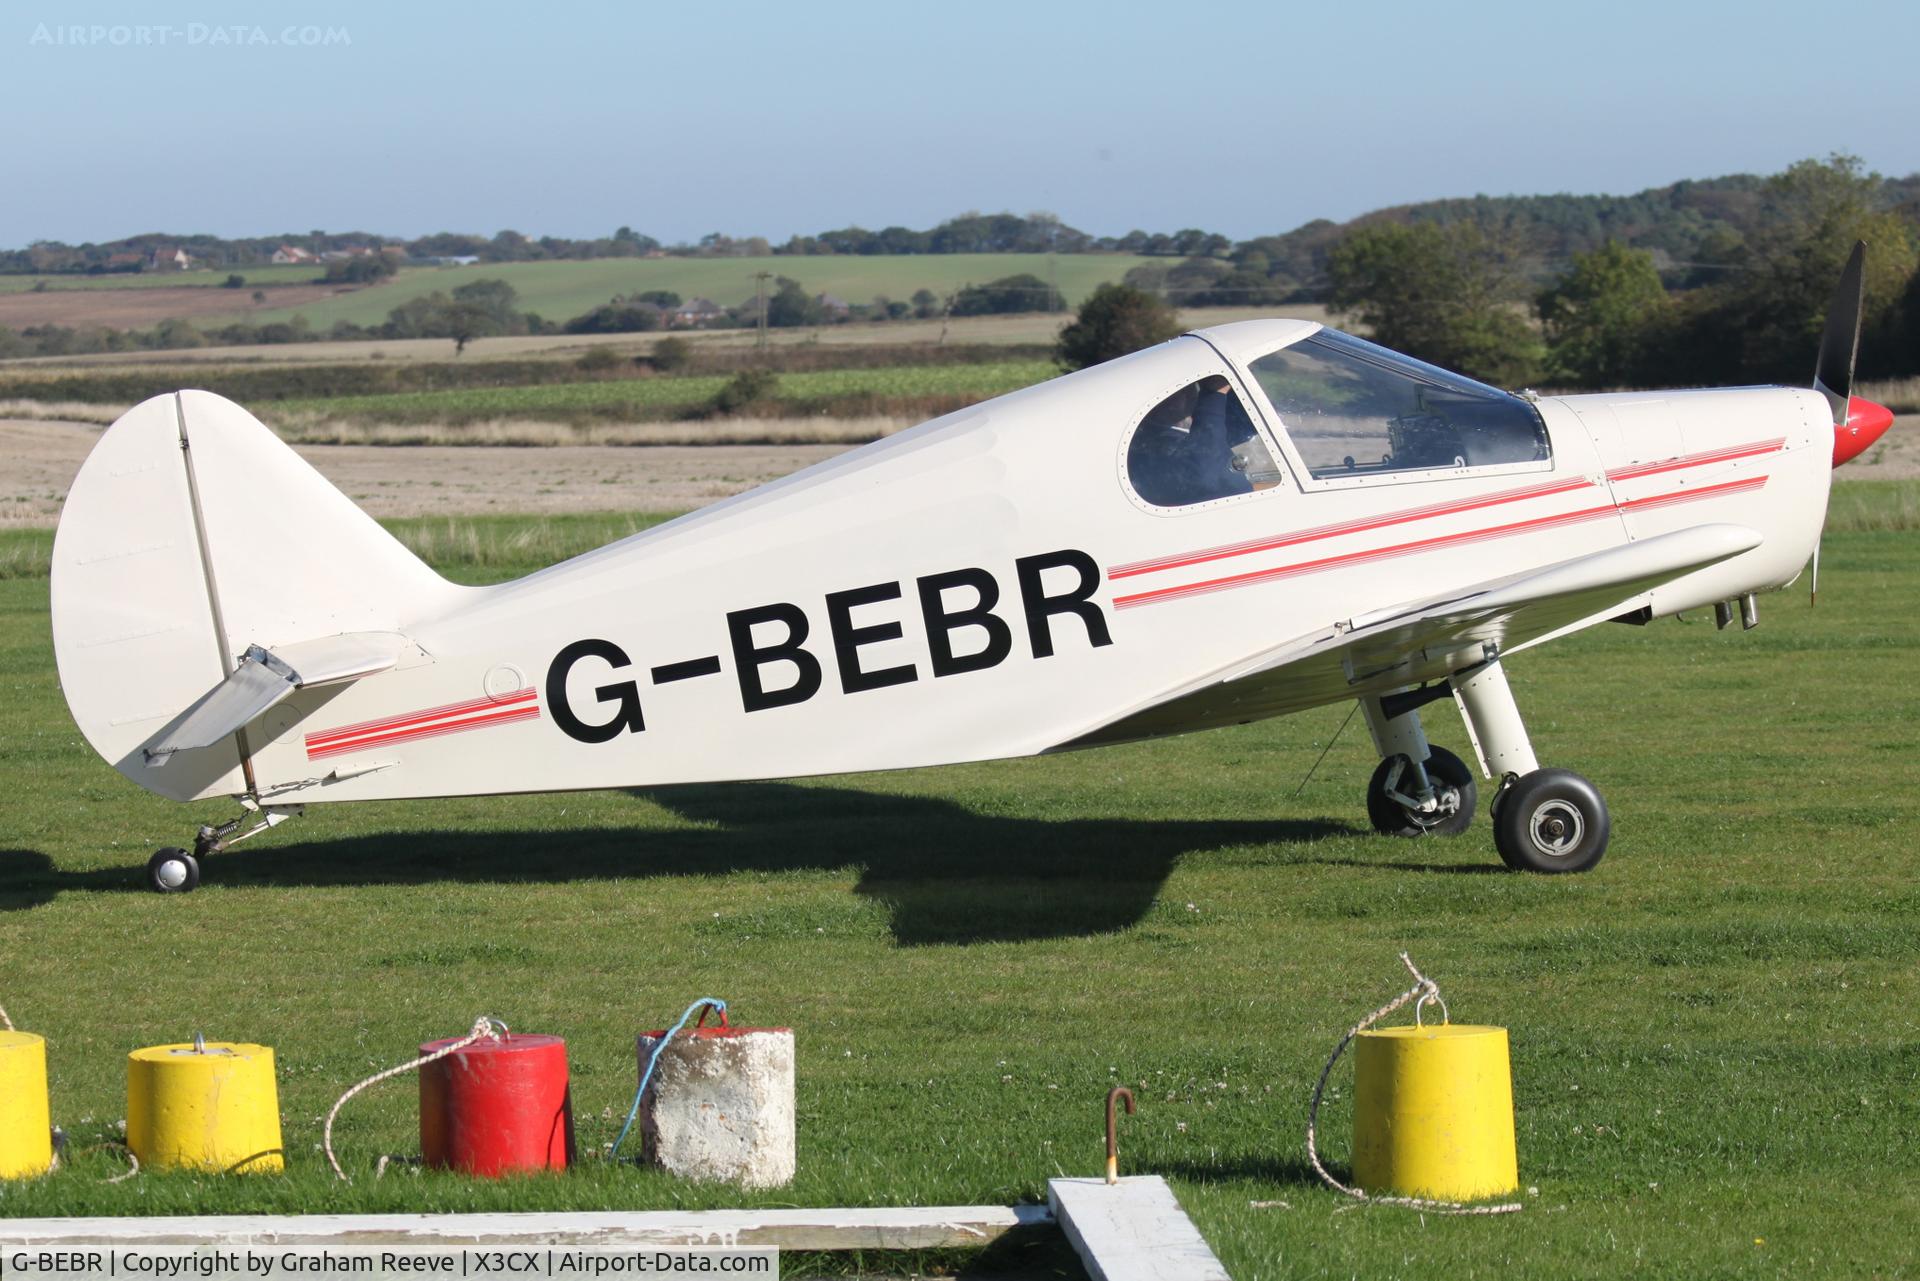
x,y
1353,409
1198,445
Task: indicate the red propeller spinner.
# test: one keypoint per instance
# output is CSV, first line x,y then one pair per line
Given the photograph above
x,y
1866,422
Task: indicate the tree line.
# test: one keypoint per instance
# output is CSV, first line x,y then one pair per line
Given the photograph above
x,y
1473,297
1696,231
968,233
1469,297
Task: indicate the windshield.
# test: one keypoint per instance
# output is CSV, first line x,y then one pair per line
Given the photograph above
x,y
1354,409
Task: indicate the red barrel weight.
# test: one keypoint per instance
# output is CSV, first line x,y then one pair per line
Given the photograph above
x,y
497,1106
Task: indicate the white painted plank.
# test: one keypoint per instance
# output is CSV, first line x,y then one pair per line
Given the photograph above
x,y
877,1228
1133,1230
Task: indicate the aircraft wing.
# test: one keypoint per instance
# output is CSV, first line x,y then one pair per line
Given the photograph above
x,y
1425,640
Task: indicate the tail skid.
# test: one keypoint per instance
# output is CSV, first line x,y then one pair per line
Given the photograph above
x,y
191,537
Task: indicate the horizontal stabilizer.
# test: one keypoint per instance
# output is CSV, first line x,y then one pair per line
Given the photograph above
x,y
264,677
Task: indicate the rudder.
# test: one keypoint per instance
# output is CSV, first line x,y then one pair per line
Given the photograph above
x,y
191,533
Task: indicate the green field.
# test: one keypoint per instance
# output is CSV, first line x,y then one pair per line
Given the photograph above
x,y
1715,1039
635,396
256,277
559,291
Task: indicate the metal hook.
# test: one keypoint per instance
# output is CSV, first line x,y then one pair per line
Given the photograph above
x,y
1114,1095
199,1043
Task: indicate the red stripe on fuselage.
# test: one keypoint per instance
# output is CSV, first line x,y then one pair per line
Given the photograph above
x,y
414,718
1727,455
1536,524
387,738
1562,486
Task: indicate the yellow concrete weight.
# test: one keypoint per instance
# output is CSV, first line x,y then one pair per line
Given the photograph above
x,y
1433,1112
204,1106
26,1133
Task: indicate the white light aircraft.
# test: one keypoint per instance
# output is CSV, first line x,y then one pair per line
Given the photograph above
x,y
1246,521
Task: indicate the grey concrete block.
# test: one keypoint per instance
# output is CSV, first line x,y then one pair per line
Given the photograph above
x,y
720,1107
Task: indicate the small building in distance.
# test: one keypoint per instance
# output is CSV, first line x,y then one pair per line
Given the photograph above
x,y
697,311
286,255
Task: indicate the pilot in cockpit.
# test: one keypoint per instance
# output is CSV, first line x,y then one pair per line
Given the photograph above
x,y
1220,426
1196,446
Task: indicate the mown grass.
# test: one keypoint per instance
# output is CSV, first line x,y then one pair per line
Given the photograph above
x,y
1716,1052
1861,505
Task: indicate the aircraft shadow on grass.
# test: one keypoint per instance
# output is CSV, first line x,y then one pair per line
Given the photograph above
x,y
945,873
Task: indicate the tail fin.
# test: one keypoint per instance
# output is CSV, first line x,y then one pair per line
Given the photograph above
x,y
191,534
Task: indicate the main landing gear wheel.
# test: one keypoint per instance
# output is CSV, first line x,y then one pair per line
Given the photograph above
x,y
1453,787
173,871
1551,820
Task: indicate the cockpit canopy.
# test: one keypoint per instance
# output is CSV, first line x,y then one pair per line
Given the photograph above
x,y
1352,408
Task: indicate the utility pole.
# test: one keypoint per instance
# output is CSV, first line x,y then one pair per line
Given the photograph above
x,y
760,279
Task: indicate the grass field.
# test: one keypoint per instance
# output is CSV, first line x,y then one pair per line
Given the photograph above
x,y
1715,1037
292,274
635,397
561,290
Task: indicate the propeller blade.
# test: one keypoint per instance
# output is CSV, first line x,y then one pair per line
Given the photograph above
x,y
1840,344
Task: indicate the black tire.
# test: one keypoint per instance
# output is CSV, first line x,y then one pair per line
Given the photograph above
x,y
1551,820
172,871
1447,773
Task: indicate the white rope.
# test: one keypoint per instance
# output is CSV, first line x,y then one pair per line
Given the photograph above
x,y
5,1019
482,1030
1426,990
133,1162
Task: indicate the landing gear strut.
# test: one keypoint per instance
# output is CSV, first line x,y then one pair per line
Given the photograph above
x,y
174,871
1418,789
1544,820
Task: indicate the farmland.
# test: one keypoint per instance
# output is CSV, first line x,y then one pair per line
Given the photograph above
x,y
1714,1033
642,397
256,277
560,290
143,308
556,291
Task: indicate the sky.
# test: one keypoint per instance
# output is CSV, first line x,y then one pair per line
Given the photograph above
x,y
774,119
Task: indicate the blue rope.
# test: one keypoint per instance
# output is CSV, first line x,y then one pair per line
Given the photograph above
x,y
713,1002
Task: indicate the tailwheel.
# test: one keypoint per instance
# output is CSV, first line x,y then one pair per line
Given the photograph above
x,y
172,871
1550,820
1396,808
